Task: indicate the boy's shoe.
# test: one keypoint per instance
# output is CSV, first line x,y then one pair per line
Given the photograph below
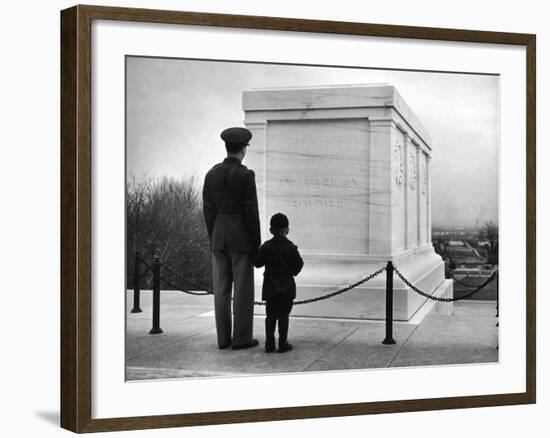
x,y
269,347
285,347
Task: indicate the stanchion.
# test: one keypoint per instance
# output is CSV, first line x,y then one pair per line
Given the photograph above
x,y
156,297
389,305
497,306
137,275
496,279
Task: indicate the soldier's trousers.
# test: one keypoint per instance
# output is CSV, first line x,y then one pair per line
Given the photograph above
x,y
233,269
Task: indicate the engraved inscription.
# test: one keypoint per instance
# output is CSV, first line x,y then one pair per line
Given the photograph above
x,y
318,204
317,173
329,227
317,183
305,162
315,144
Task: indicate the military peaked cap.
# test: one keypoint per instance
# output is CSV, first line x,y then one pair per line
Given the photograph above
x,y
236,136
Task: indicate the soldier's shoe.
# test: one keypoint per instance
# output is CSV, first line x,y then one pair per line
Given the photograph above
x,y
270,347
285,347
252,343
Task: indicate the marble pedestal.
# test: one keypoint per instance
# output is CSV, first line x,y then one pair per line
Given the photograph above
x,y
349,166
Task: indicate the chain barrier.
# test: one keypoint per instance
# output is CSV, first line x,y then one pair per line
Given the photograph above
x,y
181,277
143,274
155,269
131,284
337,292
462,283
258,303
446,300
326,296
147,265
167,282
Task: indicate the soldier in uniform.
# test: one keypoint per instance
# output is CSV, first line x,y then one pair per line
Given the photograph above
x,y
230,207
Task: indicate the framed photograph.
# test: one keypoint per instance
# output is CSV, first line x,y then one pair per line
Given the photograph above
x,y
303,218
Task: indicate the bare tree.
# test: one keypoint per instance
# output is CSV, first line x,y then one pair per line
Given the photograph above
x,y
489,232
440,246
164,218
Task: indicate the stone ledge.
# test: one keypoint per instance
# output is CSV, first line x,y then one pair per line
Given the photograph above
x,y
334,96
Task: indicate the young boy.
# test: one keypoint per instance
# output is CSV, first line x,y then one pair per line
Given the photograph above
x,y
282,262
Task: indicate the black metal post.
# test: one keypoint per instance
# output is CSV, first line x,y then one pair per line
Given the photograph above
x,y
497,296
389,305
496,279
137,264
156,297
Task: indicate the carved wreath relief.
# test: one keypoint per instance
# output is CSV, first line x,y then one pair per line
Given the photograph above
x,y
424,177
412,170
399,170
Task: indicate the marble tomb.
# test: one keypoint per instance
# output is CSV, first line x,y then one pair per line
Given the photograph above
x,y
350,166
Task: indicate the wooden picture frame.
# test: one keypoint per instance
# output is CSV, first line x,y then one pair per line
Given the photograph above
x,y
76,217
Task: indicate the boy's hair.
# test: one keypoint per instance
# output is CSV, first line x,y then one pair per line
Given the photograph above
x,y
278,222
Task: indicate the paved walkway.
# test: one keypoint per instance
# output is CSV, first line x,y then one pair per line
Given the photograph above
x,y
187,348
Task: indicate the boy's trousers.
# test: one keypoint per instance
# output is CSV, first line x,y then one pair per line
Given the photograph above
x,y
277,310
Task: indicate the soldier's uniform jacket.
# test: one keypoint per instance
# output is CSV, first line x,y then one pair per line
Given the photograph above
x,y
282,262
230,207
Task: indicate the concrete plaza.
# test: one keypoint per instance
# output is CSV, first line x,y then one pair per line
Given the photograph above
x,y
187,348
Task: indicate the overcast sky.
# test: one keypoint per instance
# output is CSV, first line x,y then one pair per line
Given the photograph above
x,y
176,110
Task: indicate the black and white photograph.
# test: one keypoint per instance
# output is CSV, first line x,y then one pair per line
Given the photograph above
x,y
286,218
274,219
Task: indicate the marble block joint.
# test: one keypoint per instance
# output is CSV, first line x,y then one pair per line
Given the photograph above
x,y
350,167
